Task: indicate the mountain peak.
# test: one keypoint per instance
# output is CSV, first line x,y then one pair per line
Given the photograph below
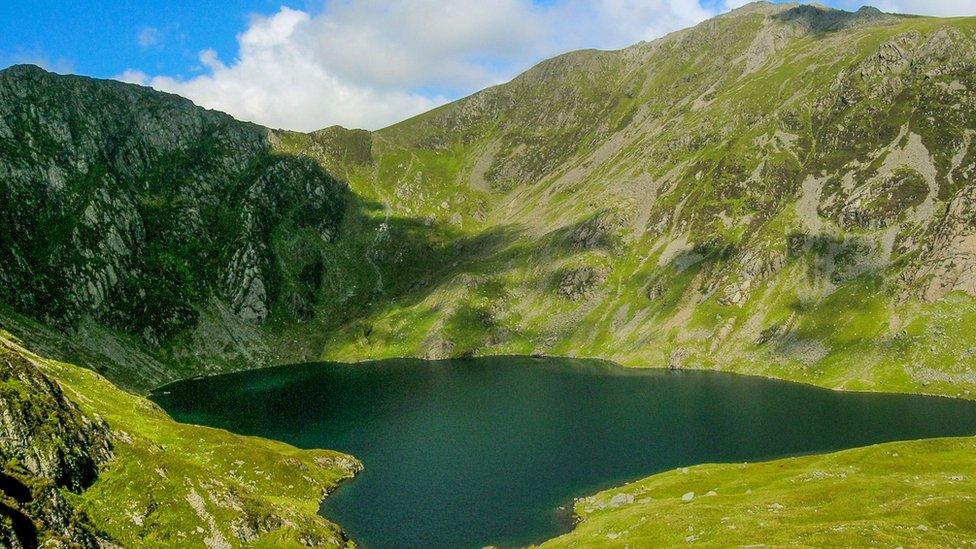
x,y
817,15
23,69
820,18
763,6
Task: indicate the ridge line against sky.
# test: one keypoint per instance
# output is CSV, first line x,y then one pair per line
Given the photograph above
x,y
309,64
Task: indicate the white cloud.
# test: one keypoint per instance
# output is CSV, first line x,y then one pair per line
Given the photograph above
x,y
149,37
369,63
276,81
133,76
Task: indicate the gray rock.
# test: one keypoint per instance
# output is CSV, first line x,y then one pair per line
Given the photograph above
x,y
621,499
578,283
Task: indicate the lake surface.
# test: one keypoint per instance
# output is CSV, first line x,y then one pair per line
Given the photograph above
x,y
467,453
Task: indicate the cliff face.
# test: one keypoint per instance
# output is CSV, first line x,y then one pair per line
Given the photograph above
x,y
138,209
46,445
44,432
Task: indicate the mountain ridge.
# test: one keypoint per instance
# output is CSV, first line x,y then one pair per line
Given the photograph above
x,y
889,57
489,164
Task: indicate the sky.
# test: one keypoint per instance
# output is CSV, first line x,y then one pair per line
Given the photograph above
x,y
309,64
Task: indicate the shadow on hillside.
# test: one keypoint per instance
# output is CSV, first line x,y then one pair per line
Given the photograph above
x,y
415,257
831,258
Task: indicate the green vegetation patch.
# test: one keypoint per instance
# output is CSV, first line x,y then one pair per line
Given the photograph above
x,y
177,485
910,494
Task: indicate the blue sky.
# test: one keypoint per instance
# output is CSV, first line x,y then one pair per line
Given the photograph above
x,y
102,38
305,64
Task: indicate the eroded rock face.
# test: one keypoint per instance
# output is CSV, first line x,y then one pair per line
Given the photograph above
x,y
44,431
952,263
578,283
244,284
596,232
46,444
753,267
138,214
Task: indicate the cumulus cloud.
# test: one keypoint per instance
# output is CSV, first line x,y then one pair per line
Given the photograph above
x,y
277,81
369,63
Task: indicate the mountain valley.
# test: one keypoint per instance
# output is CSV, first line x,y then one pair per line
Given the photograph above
x,y
785,190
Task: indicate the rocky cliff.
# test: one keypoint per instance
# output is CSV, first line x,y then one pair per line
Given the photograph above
x,y
47,446
138,210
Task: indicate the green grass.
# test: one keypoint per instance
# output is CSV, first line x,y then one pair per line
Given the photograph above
x,y
911,494
176,485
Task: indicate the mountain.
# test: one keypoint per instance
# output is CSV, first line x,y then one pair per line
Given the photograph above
x,y
785,190
135,209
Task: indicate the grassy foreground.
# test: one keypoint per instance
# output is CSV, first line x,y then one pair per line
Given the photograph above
x,y
175,485
912,494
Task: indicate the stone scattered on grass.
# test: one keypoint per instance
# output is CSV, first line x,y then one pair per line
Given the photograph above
x,y
621,499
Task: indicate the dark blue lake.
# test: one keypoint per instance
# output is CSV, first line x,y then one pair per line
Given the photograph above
x,y
467,453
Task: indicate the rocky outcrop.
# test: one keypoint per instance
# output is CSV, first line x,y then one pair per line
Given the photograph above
x,y
951,265
139,214
44,431
244,284
575,284
754,266
596,232
46,445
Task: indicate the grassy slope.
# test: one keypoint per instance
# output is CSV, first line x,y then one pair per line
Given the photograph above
x,y
177,485
847,325
917,493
